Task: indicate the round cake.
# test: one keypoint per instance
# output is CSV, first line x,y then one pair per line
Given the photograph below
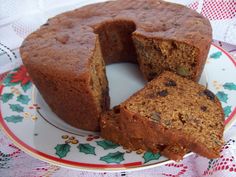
x,y
66,57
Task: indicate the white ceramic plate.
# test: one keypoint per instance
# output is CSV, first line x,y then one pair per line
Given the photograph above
x,y
30,123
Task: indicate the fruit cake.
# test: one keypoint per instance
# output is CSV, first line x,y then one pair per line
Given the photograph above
x,y
66,56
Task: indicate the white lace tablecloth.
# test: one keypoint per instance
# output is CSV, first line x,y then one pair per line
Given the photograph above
x,y
19,18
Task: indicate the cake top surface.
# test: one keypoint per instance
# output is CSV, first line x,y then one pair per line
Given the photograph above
x,y
69,39
179,104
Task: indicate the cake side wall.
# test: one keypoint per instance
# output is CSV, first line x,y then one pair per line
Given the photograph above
x,y
67,94
111,130
149,131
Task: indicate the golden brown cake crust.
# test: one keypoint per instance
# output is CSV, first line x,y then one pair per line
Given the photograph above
x,y
59,54
72,33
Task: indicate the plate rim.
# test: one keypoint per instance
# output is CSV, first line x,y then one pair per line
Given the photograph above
x,y
97,167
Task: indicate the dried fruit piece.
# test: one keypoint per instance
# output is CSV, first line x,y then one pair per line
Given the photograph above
x,y
163,93
156,116
153,95
183,71
203,108
209,94
166,122
170,83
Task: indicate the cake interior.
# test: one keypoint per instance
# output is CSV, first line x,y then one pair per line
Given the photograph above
x,y
98,80
116,42
190,110
157,55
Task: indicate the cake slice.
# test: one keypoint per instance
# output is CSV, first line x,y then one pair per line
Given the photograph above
x,y
173,110
171,114
112,131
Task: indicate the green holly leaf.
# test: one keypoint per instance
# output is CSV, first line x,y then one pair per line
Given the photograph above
x,y
16,107
27,86
227,111
14,119
86,148
6,97
24,99
10,84
116,157
107,144
7,79
16,69
229,86
222,96
216,55
62,149
148,156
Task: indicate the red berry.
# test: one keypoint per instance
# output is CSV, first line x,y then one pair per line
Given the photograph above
x,y
89,139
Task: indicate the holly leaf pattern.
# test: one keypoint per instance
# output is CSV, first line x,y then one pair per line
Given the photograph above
x,y
86,148
115,157
216,55
148,156
229,86
14,119
11,84
7,81
62,149
16,107
222,96
16,69
107,144
26,86
227,111
24,99
6,97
